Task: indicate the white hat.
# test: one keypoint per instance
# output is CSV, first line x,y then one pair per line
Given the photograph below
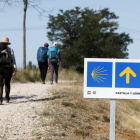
x,y
54,44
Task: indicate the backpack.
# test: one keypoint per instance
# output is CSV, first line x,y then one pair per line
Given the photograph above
x,y
4,56
53,54
42,54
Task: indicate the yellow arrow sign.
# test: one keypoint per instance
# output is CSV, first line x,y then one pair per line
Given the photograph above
x,y
128,71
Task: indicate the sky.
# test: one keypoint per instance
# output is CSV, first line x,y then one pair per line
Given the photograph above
x,y
11,24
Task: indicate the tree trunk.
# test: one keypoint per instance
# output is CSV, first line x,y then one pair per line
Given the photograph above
x,y
24,33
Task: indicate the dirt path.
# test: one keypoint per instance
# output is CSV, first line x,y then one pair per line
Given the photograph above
x,y
18,119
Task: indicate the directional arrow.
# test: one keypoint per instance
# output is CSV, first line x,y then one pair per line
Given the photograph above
x,y
128,71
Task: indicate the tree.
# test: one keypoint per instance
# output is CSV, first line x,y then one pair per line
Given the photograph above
x,y
30,65
34,67
27,3
87,34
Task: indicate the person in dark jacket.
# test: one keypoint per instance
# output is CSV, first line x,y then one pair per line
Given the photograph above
x,y
6,71
43,66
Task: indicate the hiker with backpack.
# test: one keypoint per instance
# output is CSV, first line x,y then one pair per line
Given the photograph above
x,y
7,67
54,56
42,59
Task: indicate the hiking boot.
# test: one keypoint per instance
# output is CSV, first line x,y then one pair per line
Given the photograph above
x,y
43,82
51,83
7,99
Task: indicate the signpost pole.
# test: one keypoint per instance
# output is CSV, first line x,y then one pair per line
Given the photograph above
x,y
112,118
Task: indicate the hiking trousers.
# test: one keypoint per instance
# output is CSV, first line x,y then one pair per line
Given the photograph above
x,y
5,78
43,67
54,68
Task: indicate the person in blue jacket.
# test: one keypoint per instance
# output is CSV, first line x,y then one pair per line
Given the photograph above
x,y
54,58
42,59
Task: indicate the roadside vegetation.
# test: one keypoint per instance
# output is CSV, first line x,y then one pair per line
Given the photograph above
x,y
24,76
72,117
29,75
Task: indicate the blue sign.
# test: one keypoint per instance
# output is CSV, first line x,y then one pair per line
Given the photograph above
x,y
111,78
127,75
99,74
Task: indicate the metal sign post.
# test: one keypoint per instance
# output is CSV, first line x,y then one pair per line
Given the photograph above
x,y
112,118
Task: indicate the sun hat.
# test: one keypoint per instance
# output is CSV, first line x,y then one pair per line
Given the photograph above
x,y
54,44
5,40
46,44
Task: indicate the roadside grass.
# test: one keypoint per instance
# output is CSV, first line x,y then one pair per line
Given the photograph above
x,y
24,76
70,74
128,113
72,117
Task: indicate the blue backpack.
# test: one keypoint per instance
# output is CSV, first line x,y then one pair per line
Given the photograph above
x,y
42,54
53,54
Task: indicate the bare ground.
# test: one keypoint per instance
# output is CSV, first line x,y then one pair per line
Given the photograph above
x,y
18,119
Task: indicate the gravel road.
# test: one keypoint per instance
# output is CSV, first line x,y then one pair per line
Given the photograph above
x,y
18,119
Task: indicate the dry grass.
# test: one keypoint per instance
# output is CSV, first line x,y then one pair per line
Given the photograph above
x,y
73,117
70,74
24,76
128,115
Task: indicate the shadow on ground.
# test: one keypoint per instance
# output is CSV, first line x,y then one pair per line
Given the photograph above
x,y
28,99
14,99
